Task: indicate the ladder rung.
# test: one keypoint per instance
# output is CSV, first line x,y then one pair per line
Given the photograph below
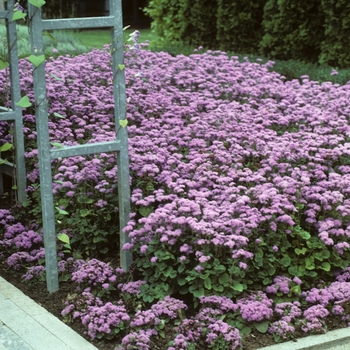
x,y
6,116
87,22
80,150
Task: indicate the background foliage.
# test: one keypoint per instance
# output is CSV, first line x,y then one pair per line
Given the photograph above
x,y
292,29
239,25
335,45
309,31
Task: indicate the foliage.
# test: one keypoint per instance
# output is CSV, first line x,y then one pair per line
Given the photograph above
x,y
168,19
200,18
239,25
334,47
240,198
292,30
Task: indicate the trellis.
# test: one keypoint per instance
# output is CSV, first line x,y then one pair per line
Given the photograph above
x,y
46,154
13,113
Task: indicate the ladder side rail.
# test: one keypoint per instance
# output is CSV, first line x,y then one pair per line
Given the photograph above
x,y
43,141
117,50
37,25
21,176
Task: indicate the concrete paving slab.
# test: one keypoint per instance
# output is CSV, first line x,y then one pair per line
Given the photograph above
x,y
25,325
334,340
10,340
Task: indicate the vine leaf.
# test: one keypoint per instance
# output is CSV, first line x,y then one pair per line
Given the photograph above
x,y
56,144
57,78
4,64
60,211
36,60
18,15
63,238
145,211
24,102
121,66
123,123
59,115
5,147
37,3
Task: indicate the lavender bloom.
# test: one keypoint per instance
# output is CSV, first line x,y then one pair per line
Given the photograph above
x,y
281,329
255,308
141,340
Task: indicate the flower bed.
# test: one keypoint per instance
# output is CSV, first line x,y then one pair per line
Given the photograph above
x,y
240,197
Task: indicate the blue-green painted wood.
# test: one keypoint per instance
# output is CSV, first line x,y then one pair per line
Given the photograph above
x,y
43,142
75,23
19,170
80,150
120,113
37,25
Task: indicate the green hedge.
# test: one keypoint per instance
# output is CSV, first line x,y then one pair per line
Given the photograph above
x,y
293,29
314,31
239,25
168,19
200,19
336,45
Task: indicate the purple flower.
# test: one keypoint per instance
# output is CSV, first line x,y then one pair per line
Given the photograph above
x,y
143,249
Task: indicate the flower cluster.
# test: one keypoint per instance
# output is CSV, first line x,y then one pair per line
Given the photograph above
x,y
256,307
94,272
236,175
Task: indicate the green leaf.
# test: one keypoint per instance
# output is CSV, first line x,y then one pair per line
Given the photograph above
x,y
181,281
84,212
3,64
145,211
261,327
121,66
123,123
310,263
63,238
51,37
198,293
56,144
63,212
219,268
5,147
14,187
286,260
59,115
224,278
24,102
245,331
36,60
218,288
295,289
37,3
238,286
18,15
150,186
57,78
300,251
271,270
325,266
59,182
207,283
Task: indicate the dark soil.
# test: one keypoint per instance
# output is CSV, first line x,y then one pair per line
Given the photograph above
x,y
54,303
